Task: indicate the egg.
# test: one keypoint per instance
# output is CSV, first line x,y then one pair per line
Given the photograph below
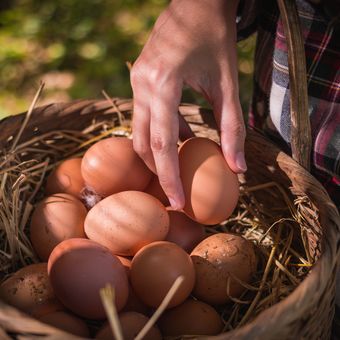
x,y
48,307
184,231
126,262
154,189
67,322
131,324
66,178
78,269
211,189
28,288
192,317
155,268
219,258
56,218
111,165
134,303
127,221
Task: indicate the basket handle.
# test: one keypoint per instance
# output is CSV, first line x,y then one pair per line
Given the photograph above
x,y
301,140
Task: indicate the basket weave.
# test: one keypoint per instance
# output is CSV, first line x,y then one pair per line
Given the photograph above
x,y
306,313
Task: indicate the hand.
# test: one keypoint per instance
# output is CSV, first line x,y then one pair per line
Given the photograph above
x,y
193,43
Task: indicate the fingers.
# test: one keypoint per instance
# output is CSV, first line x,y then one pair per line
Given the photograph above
x,y
141,129
156,129
229,117
164,129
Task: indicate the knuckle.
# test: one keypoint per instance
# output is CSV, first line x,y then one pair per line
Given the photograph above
x,y
136,75
140,148
160,144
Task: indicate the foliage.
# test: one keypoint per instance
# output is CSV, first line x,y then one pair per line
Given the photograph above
x,y
79,48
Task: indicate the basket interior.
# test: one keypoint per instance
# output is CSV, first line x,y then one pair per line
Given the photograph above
x,y
59,131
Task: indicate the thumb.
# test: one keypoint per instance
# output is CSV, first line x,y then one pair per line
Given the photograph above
x,y
229,117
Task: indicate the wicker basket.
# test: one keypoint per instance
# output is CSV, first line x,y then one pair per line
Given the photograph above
x,y
306,313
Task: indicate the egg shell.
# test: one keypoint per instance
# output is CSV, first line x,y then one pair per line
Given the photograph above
x,y
111,165
78,269
192,317
67,322
135,304
28,288
126,262
66,178
127,221
131,323
48,307
55,219
154,189
155,268
211,189
219,258
184,231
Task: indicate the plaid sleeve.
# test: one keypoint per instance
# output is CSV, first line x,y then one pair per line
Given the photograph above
x,y
270,109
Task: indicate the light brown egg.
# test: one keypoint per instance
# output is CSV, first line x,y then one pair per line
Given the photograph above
x,y
127,221
111,165
78,269
155,268
131,323
219,258
154,189
55,219
126,262
184,231
66,178
28,288
67,322
211,189
192,317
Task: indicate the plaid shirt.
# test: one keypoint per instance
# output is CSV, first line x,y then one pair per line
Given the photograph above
x,y
270,109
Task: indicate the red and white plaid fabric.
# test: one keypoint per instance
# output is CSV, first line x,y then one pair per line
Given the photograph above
x,y
270,110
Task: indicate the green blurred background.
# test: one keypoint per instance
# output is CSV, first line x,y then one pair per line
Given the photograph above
x,y
78,48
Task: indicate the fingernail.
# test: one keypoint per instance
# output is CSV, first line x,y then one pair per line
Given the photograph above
x,y
241,162
174,204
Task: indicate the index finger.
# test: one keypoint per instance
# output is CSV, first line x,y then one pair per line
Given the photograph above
x,y
164,130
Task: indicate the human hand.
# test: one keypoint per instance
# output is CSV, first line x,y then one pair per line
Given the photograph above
x,y
193,43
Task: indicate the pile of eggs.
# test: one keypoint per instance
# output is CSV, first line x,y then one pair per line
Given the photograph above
x,y
106,220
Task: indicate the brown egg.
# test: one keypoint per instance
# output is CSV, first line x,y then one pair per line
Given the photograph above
x,y
155,190
132,323
126,262
184,231
111,165
219,258
155,268
55,219
28,288
211,189
67,322
192,317
135,304
127,221
66,178
78,269
48,307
